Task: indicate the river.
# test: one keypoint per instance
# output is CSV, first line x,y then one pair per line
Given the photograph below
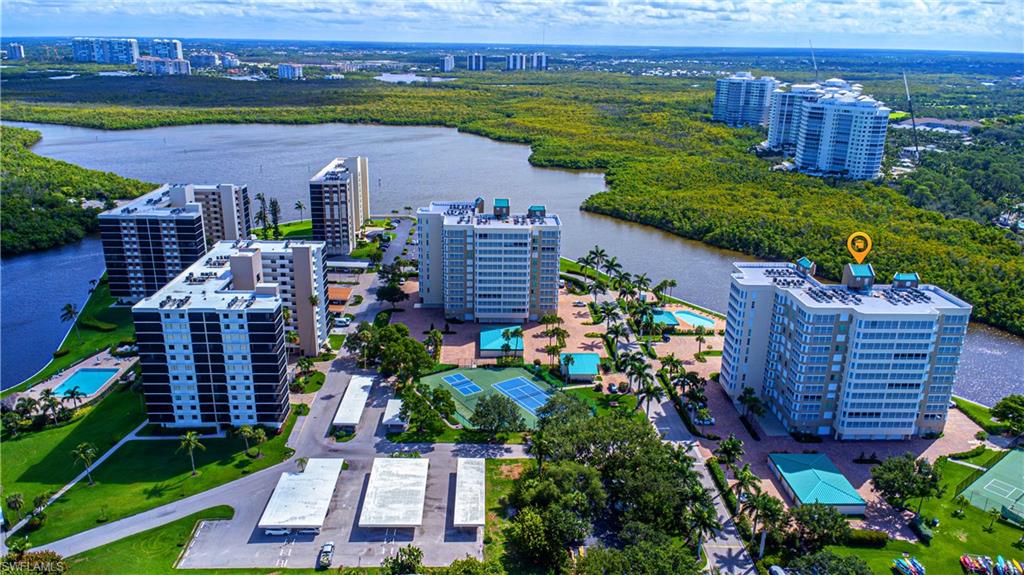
x,y
409,166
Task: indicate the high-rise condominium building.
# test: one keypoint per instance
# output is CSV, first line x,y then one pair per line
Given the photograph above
x,y
105,50
488,267
15,51
150,240
784,118
743,100
204,60
227,211
515,62
212,342
476,62
854,360
229,60
539,61
289,71
163,66
448,63
170,49
339,203
843,134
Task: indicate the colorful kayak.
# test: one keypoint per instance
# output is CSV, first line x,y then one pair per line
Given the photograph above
x,y
918,568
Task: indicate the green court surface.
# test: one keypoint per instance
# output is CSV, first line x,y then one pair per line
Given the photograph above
x,y
484,378
1001,487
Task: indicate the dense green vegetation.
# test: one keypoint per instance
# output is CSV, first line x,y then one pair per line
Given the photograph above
x,y
142,475
666,165
42,198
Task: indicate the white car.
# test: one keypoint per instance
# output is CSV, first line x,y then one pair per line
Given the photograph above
x,y
276,531
343,321
579,303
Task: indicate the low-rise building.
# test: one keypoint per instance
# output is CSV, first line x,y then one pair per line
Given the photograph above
x,y
204,60
488,267
163,66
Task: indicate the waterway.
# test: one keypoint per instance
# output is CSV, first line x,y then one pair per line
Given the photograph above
x,y
409,167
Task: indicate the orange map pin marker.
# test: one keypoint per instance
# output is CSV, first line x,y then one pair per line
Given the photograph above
x,y
859,244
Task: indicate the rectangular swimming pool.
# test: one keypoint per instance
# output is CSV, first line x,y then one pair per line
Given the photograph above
x,y
88,380
664,317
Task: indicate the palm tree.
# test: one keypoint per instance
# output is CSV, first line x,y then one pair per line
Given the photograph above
x,y
286,313
50,402
672,365
292,337
700,342
552,350
435,339
994,514
609,312
26,405
314,300
305,364
961,502
769,510
643,285
15,501
40,501
586,264
85,453
74,395
246,432
649,390
598,256
70,313
596,288
730,450
567,362
190,443
301,463
301,207
703,522
612,267
746,481
618,331
663,287
259,437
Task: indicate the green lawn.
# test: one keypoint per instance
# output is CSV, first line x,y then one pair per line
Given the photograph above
x,y
35,462
985,459
147,474
86,342
292,230
953,536
155,552
450,435
365,249
312,382
337,340
981,415
601,402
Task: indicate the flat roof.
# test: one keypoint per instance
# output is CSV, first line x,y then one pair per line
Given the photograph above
x,y
339,293
493,339
465,214
391,411
470,507
395,494
302,498
815,479
350,410
582,363
351,264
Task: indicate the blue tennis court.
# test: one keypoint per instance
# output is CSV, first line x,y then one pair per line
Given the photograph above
x,y
462,384
524,392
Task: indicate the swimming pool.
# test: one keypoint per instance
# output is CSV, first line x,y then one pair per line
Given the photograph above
x,y
664,317
696,320
87,380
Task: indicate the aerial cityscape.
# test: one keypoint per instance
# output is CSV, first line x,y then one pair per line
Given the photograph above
x,y
503,288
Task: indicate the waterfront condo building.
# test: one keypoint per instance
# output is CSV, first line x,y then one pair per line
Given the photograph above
x,y
743,100
842,133
229,60
227,210
515,62
170,49
15,51
539,61
289,71
163,66
784,117
448,63
488,267
854,360
212,344
476,62
204,60
339,203
105,50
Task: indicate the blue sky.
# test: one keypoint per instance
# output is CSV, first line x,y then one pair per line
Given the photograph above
x,y
996,25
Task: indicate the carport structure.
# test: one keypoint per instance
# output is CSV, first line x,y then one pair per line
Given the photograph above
x,y
350,410
470,507
301,499
395,494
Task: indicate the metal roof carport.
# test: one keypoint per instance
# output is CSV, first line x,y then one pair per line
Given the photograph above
x,y
395,494
350,410
470,507
301,499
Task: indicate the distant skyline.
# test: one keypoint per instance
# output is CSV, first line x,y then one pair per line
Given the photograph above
x,y
971,25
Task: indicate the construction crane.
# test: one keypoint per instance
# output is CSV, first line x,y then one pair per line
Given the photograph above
x,y
814,61
913,120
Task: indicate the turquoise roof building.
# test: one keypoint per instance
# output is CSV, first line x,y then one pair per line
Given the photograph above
x,y
584,366
813,478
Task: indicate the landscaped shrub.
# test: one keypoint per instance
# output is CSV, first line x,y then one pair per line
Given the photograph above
x,y
61,353
923,532
969,453
867,538
718,476
302,409
744,527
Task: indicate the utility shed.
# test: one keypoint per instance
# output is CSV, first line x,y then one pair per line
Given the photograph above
x,y
301,499
392,420
470,508
395,494
350,410
813,478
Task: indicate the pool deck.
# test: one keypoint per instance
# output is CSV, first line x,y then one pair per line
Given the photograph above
x,y
102,359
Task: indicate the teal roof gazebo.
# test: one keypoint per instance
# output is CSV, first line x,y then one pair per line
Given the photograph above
x,y
583,364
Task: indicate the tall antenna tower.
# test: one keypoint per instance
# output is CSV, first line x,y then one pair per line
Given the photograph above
x,y
913,120
813,61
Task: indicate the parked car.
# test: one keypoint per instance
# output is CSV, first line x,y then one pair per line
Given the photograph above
x,y
579,303
666,337
613,388
310,531
561,283
276,531
708,421
323,561
343,321
401,282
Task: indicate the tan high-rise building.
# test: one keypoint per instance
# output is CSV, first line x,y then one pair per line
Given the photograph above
x,y
227,211
339,203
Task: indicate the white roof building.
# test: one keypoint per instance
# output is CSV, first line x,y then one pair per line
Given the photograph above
x,y
470,507
350,410
301,499
391,414
394,497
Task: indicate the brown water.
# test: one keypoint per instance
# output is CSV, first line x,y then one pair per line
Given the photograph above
x,y
410,166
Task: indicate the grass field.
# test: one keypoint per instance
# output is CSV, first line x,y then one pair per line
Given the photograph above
x,y
979,414
147,474
602,402
953,536
337,340
86,342
485,378
298,230
35,462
